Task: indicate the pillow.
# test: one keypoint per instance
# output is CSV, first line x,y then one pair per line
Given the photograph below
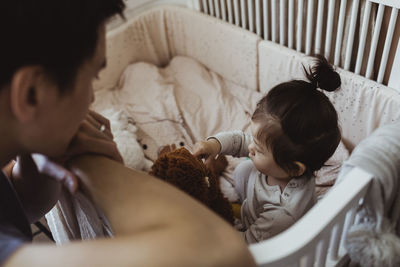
x,y
326,176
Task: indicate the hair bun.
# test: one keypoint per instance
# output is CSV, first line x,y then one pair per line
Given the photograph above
x,y
322,75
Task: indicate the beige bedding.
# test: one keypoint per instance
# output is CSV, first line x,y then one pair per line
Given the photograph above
x,y
184,103
181,103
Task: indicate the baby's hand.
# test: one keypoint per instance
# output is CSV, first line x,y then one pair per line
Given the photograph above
x,y
207,149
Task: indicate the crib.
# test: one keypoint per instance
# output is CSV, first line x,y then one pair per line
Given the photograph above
x,y
257,44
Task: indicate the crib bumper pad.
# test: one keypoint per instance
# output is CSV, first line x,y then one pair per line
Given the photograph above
x,y
375,240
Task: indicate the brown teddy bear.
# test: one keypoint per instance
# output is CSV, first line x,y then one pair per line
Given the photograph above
x,y
180,168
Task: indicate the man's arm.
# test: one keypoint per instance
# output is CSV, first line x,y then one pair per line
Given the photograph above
x,y
38,179
155,225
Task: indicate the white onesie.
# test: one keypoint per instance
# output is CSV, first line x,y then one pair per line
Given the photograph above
x,y
266,210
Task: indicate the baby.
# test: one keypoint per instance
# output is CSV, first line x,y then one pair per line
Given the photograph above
x,y
294,131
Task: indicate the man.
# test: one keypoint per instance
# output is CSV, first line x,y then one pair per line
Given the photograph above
x,y
50,52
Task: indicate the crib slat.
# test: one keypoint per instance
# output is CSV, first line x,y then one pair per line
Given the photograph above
x,y
258,18
243,14
211,7
350,41
374,43
339,35
310,17
388,42
205,6
322,251
394,80
251,16
309,259
265,19
347,223
363,37
273,21
352,217
335,240
299,33
236,8
329,28
217,11
230,15
318,38
290,26
223,10
282,22
196,5
358,218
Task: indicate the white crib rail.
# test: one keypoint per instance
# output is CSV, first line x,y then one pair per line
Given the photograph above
x,y
338,29
315,239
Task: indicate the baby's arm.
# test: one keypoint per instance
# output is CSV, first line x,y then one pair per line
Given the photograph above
x,y
270,223
207,149
233,143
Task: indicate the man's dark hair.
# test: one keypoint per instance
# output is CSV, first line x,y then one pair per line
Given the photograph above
x,y
58,35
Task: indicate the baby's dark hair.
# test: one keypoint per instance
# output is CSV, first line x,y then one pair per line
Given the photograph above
x,y
298,122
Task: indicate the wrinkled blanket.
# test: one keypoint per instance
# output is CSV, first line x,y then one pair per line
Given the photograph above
x,y
180,104
374,241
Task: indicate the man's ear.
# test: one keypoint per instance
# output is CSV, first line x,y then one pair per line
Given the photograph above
x,y
23,92
301,168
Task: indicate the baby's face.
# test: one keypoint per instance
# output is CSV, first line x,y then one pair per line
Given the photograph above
x,y
262,157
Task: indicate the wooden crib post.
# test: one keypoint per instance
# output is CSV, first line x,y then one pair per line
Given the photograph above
x,y
394,80
388,42
364,30
299,25
350,41
329,27
374,44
